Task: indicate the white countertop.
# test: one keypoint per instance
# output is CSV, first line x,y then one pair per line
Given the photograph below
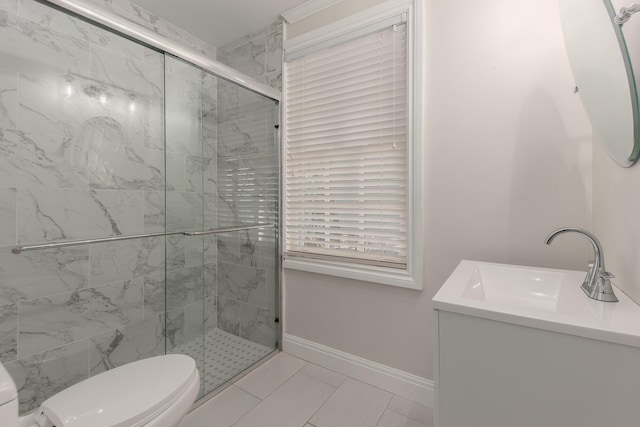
x,y
539,298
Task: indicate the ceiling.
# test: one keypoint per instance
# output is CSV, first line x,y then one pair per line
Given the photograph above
x,y
219,21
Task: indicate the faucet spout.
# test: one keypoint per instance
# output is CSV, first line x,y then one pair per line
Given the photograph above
x,y
597,284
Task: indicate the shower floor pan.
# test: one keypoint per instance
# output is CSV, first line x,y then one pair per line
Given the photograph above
x,y
224,356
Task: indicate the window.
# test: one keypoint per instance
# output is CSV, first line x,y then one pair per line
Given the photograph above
x,y
349,175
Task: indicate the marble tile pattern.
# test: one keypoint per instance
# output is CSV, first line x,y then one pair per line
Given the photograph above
x,y
40,376
258,54
149,20
81,156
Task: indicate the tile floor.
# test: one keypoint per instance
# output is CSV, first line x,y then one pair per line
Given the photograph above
x,y
289,392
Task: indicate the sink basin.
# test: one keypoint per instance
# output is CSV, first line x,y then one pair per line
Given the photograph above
x,y
515,287
538,297
524,346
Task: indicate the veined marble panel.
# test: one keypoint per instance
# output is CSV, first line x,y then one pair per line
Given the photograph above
x,y
25,162
114,261
229,315
229,248
211,314
210,280
140,16
154,214
247,56
113,166
210,297
194,250
55,110
184,108
127,344
176,171
8,332
211,249
184,286
209,115
50,322
130,75
41,376
175,328
210,178
77,28
34,49
243,136
274,79
195,321
9,5
211,207
153,58
228,101
154,294
41,273
8,99
252,104
184,211
8,216
274,49
176,252
242,283
45,215
131,92
249,247
196,168
257,324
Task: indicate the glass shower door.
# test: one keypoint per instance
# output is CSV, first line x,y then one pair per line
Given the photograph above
x,y
222,185
247,182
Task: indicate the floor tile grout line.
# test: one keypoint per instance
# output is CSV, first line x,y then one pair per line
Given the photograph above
x,y
267,396
325,401
283,383
385,410
405,415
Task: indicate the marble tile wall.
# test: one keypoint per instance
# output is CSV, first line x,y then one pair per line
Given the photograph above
x,y
258,55
81,156
153,22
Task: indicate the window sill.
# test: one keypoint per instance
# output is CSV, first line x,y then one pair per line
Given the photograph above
x,y
365,273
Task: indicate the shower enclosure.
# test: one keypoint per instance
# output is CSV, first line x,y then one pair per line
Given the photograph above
x,y
139,206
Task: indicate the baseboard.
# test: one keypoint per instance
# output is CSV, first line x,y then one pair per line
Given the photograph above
x,y
393,380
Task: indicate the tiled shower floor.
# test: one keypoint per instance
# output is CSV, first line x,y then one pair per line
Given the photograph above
x,y
225,355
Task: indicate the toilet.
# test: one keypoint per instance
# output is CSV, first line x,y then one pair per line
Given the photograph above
x,y
154,392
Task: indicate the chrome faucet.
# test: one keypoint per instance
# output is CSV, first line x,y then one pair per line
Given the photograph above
x,y
597,284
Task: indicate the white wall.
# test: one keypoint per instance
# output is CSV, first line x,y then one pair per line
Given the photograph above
x,y
507,158
616,197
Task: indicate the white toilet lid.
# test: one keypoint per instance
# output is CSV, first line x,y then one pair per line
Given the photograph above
x,y
128,396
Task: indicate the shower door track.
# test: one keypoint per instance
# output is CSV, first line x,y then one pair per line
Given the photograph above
x,y
140,34
54,245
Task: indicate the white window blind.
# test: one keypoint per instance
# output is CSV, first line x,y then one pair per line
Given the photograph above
x,y
346,167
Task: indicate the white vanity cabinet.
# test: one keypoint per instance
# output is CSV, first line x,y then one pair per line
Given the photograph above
x,y
525,347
